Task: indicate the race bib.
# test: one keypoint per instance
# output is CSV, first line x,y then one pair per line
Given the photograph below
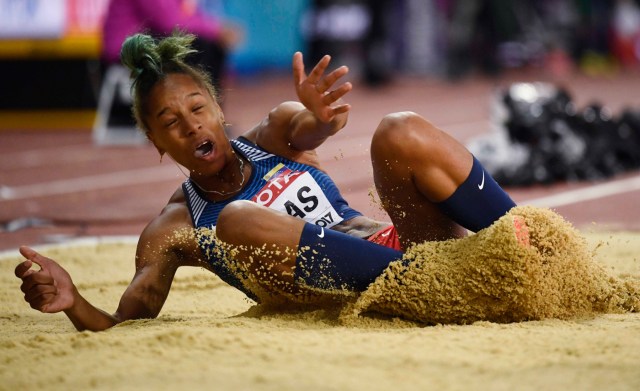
x,y
297,194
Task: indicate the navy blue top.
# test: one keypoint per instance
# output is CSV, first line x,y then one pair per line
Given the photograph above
x,y
298,189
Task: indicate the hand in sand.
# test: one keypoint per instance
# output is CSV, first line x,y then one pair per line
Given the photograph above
x,y
49,289
315,90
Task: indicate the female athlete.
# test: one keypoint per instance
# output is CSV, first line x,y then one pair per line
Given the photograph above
x,y
262,213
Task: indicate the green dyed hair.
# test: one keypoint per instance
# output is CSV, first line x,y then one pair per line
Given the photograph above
x,y
151,60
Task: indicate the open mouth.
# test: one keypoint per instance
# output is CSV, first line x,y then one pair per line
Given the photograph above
x,y
203,149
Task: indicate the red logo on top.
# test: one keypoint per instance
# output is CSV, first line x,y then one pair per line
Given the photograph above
x,y
275,186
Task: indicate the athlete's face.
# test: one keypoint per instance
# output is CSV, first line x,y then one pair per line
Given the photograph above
x,y
186,122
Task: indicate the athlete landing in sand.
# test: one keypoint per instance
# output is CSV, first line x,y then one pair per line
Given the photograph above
x,y
268,189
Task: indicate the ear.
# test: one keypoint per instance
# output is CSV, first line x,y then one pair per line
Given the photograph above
x,y
220,112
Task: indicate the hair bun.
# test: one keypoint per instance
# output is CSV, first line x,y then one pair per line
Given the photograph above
x,y
139,53
176,47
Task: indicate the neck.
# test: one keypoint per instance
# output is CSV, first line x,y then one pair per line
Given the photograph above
x,y
227,182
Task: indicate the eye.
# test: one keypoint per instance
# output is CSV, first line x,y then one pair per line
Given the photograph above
x,y
170,123
198,108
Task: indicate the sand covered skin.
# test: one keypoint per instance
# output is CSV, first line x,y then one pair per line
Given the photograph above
x,y
209,336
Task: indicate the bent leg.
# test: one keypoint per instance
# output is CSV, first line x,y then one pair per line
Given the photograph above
x,y
423,178
264,243
286,254
332,260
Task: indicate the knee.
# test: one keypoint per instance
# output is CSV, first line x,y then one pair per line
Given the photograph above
x,y
400,130
237,220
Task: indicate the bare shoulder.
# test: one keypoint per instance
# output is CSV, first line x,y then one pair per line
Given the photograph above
x,y
170,236
273,132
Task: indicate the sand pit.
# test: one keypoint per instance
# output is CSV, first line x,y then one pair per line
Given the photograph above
x,y
558,330
529,265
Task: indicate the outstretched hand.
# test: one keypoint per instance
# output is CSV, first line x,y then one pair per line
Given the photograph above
x,y
315,90
49,289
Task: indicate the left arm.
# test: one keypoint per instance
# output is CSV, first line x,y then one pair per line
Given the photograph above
x,y
303,126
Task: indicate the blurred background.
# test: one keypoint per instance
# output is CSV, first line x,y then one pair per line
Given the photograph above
x,y
54,46
543,92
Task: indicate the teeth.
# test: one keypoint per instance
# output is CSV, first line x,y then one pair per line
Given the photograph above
x,y
203,149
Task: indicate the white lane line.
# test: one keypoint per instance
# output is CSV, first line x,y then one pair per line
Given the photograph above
x,y
586,194
94,182
83,241
42,157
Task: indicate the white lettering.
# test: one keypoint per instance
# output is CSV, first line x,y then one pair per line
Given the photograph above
x,y
264,197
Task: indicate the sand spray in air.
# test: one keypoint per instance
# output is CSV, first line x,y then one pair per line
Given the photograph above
x,y
493,276
262,270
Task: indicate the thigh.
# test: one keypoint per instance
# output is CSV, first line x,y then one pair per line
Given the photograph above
x,y
261,237
416,218
415,167
264,244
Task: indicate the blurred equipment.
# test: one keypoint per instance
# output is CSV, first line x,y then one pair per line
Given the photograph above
x,y
354,33
48,52
540,137
114,123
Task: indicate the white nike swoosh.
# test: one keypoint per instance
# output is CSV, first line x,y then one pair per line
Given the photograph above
x,y
481,185
321,234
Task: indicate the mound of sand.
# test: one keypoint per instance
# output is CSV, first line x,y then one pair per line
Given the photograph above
x,y
501,275
210,336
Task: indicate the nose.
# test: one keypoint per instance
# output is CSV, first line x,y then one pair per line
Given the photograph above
x,y
191,125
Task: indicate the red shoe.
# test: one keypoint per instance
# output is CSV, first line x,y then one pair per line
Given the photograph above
x,y
521,230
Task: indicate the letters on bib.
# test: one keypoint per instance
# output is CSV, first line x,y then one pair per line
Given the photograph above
x,y
298,194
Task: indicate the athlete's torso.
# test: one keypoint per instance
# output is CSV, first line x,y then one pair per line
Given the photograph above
x,y
276,182
298,189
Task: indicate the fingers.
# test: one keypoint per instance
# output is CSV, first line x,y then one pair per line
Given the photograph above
x,y
34,279
35,283
40,296
318,70
341,109
298,68
325,84
316,78
39,287
336,94
47,289
329,113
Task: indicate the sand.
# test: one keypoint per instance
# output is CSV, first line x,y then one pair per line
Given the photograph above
x,y
529,265
559,313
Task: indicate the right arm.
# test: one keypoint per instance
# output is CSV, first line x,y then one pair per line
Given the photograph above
x,y
295,129
51,289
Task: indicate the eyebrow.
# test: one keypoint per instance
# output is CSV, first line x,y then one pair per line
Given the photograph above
x,y
167,108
